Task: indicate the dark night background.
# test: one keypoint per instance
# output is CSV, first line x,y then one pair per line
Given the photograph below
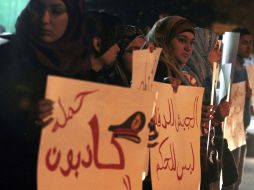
x,y
203,13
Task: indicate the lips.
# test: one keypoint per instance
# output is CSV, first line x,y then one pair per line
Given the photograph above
x,y
185,55
45,32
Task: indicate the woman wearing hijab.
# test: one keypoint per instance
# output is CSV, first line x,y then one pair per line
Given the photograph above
x,y
176,36
103,32
132,39
200,62
205,52
49,40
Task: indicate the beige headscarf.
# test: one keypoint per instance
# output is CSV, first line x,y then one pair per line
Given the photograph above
x,y
162,33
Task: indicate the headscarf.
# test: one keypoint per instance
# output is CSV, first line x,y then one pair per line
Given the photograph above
x,y
129,33
162,33
105,26
204,42
64,56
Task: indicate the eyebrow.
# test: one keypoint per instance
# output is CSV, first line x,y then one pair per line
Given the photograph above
x,y
184,36
58,4
247,40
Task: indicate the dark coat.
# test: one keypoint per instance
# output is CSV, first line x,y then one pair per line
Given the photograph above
x,y
23,85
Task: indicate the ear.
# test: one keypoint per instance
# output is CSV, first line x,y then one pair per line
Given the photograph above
x,y
96,42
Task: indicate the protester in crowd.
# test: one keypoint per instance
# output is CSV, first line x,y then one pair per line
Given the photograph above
x,y
206,51
49,40
176,36
132,39
240,75
104,36
103,33
246,48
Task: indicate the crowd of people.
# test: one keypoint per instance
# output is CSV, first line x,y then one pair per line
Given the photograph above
x,y
62,38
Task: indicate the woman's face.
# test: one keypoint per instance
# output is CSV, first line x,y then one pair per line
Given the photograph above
x,y
215,54
109,57
182,46
52,19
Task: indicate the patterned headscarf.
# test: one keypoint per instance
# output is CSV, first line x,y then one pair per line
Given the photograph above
x,y
204,42
129,33
199,65
64,56
162,33
105,26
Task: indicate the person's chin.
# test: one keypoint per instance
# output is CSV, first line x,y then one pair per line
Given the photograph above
x,y
246,55
184,61
47,39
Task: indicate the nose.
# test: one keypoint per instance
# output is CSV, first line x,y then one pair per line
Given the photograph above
x,y
46,17
188,47
249,46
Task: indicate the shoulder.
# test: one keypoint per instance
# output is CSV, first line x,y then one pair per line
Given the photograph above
x,y
240,74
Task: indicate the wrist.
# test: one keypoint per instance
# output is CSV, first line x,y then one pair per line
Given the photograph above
x,y
216,122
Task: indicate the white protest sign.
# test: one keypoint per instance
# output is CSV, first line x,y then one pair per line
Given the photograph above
x,y
230,47
215,78
144,66
143,71
234,129
225,80
175,161
98,139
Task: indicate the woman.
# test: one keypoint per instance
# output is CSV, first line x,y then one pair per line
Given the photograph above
x,y
132,39
103,34
99,63
49,40
176,36
206,51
